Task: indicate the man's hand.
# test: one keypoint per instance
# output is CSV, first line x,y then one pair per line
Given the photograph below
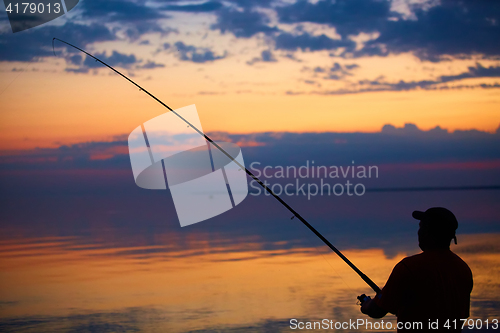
x,y
366,305
362,298
369,307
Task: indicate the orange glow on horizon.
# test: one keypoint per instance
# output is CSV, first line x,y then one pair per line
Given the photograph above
x,y
50,109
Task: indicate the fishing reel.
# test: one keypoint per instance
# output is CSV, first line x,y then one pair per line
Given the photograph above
x,y
363,298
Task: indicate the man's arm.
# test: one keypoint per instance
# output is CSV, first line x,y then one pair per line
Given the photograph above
x,y
389,299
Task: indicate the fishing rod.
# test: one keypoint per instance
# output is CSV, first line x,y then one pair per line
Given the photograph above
x,y
250,174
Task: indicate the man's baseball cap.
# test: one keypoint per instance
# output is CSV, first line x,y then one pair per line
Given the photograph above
x,y
440,220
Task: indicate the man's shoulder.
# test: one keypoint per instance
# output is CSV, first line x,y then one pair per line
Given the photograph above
x,y
430,258
415,257
411,260
460,262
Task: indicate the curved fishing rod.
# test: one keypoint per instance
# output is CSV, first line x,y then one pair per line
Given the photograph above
x,y
295,214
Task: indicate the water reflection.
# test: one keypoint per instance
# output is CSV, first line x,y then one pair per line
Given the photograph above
x,y
63,284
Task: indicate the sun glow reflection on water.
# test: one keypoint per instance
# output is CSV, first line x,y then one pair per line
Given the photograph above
x,y
60,283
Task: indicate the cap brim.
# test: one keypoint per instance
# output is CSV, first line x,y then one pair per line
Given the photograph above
x,y
418,215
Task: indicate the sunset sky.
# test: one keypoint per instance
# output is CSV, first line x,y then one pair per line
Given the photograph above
x,y
252,66
410,87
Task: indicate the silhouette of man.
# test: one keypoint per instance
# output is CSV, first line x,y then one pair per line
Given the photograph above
x,y
432,287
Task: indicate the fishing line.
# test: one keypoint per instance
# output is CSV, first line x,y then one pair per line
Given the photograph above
x,y
250,174
333,268
18,75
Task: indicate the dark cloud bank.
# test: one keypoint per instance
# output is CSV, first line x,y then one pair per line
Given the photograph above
x,y
407,144
451,28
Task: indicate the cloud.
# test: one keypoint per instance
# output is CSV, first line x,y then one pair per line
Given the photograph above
x,y
412,130
37,43
135,19
136,30
312,82
265,56
150,65
308,42
473,72
391,144
450,28
336,72
389,87
453,28
252,3
84,63
129,18
197,8
116,59
101,154
349,17
435,31
193,53
119,10
244,23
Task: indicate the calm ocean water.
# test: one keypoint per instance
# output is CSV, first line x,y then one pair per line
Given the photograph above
x,y
118,261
